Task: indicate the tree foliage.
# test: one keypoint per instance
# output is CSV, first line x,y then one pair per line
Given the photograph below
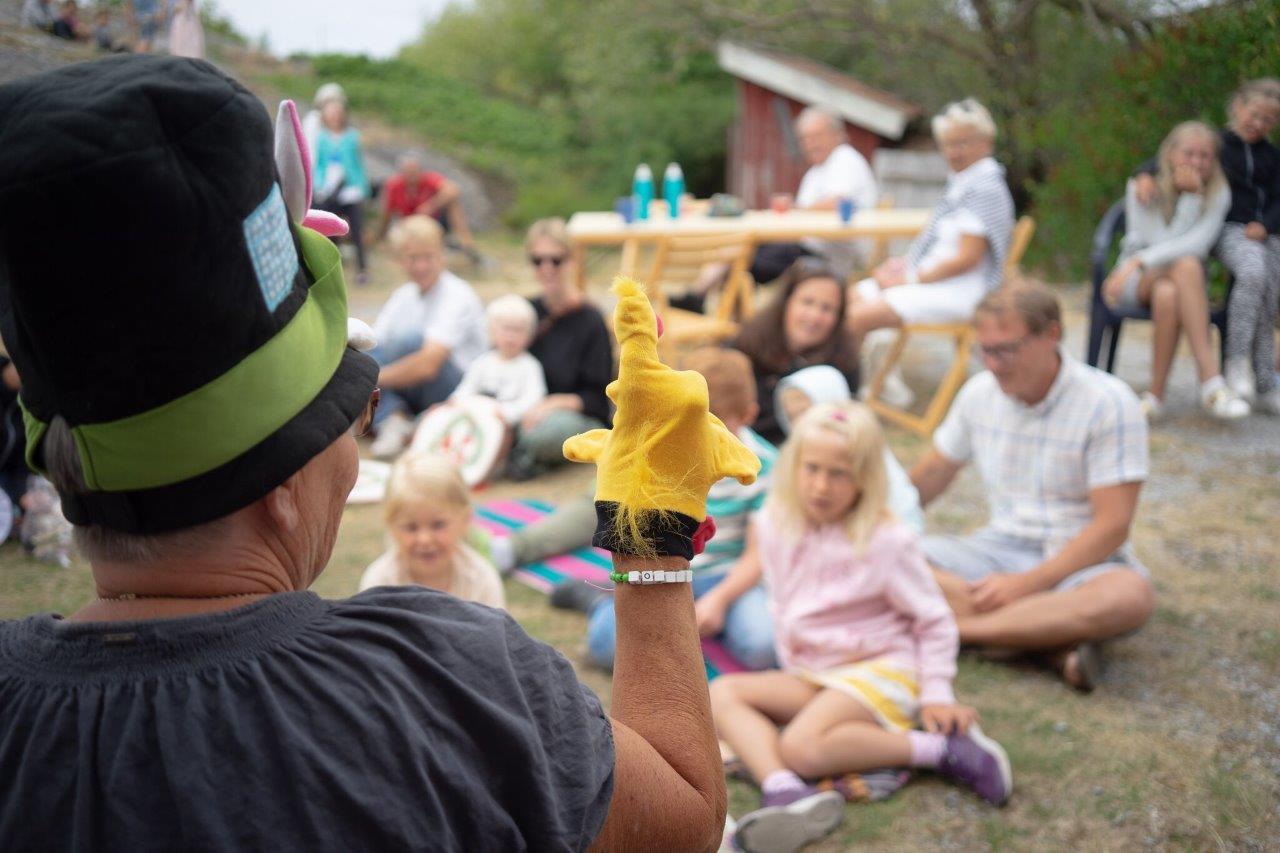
x,y
1081,89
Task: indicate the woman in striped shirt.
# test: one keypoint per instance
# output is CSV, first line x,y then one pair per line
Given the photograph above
x,y
960,254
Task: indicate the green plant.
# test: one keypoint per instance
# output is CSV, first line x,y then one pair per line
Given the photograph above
x,y
1188,71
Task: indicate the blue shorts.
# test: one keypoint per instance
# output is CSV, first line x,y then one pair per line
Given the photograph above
x,y
989,552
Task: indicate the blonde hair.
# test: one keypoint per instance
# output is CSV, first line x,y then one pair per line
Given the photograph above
x,y
967,112
1262,87
1164,175
552,228
417,228
857,426
419,477
513,308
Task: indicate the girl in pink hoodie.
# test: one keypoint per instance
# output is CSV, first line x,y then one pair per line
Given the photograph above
x,y
865,639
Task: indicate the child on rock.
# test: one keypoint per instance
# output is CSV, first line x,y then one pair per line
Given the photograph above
x,y
865,639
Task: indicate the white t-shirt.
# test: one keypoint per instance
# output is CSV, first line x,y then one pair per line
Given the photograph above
x,y
474,577
844,173
449,314
517,384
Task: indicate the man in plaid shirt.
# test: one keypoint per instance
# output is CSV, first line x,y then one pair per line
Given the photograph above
x,y
1062,449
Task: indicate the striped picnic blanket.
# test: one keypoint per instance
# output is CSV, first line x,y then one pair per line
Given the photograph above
x,y
502,518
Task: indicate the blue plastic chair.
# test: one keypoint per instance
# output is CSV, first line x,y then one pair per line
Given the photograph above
x,y
1105,321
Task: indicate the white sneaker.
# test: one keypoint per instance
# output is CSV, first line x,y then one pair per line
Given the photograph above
x,y
393,434
896,392
1151,407
1221,402
1269,402
1239,376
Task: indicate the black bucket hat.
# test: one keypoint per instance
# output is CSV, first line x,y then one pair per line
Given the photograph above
x,y
158,294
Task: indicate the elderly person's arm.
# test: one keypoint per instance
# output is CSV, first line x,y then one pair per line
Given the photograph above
x,y
932,474
1113,511
973,248
668,789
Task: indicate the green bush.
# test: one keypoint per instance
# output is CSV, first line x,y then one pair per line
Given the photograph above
x,y
1185,72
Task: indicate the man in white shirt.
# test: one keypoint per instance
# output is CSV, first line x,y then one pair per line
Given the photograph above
x,y
836,171
1062,449
429,332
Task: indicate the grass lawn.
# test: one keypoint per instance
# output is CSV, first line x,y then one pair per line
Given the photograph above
x,y
1179,748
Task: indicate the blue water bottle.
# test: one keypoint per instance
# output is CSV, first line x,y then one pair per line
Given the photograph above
x,y
642,190
673,188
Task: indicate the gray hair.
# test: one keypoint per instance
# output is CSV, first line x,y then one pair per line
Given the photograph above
x,y
967,113
103,544
833,120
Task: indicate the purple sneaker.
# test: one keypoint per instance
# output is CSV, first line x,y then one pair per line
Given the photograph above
x,y
975,760
789,820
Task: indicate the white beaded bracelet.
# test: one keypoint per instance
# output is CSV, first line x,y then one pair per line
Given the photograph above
x,y
642,578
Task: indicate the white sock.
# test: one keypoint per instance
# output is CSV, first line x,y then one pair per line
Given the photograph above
x,y
779,781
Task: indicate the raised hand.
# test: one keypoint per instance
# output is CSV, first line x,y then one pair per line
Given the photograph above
x,y
665,449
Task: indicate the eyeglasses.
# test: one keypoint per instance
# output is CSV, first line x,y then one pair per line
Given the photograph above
x,y
554,260
1002,352
363,423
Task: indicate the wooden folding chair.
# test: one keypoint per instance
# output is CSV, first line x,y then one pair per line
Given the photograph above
x,y
962,337
679,260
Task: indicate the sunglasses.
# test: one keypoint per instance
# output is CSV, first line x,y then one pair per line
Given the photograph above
x,y
554,260
363,423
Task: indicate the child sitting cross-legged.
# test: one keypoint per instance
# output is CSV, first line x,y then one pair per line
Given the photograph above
x,y
866,642
428,511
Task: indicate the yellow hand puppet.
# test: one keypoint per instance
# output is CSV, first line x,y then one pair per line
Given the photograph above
x,y
665,449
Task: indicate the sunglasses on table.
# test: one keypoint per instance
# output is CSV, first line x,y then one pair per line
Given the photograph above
x,y
363,423
554,260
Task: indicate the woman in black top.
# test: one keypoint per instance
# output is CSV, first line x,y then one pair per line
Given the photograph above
x,y
800,328
572,345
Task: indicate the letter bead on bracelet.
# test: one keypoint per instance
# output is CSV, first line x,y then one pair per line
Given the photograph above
x,y
644,578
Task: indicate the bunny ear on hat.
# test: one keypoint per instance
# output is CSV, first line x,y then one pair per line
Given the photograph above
x,y
293,161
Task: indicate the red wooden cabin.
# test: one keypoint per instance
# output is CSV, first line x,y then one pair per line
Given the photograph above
x,y
773,87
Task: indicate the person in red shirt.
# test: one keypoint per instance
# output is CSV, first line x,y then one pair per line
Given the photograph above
x,y
413,190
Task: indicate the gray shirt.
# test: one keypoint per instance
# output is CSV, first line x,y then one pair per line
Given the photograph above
x,y
400,718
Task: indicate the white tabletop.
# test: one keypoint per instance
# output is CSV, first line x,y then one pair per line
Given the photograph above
x,y
597,227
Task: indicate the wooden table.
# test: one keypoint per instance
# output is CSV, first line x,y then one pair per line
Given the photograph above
x,y
589,229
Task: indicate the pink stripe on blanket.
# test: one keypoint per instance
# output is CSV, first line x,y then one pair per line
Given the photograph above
x,y
575,567
515,511
719,658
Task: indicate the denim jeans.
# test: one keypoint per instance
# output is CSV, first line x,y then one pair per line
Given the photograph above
x,y
411,401
747,634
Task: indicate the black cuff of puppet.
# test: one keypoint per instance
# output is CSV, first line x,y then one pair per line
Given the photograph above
x,y
668,534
